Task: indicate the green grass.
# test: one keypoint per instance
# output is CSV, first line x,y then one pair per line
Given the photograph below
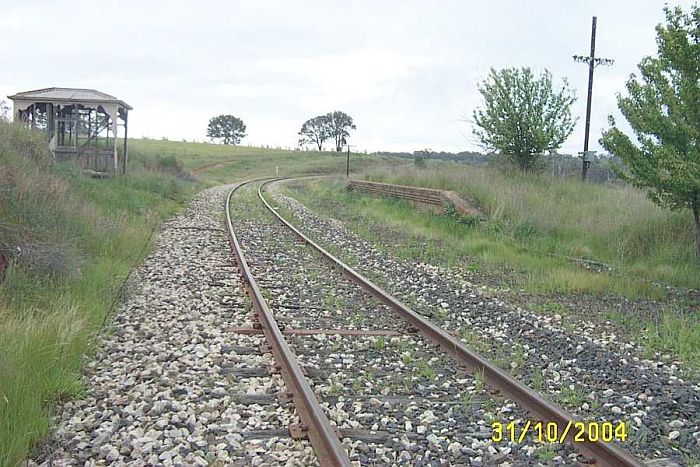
x,y
538,213
242,162
533,258
546,454
676,333
537,379
533,216
378,343
425,370
572,396
80,237
446,240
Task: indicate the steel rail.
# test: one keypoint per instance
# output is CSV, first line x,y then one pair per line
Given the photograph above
x,y
323,437
605,454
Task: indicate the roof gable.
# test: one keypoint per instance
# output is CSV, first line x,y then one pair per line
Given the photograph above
x,y
69,95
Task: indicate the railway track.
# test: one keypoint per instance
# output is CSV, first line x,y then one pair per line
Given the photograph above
x,y
367,334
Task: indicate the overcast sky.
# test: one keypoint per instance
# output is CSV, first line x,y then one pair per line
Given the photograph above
x,y
406,71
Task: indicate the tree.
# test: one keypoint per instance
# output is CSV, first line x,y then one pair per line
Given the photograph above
x,y
227,128
340,125
315,131
663,109
421,157
523,116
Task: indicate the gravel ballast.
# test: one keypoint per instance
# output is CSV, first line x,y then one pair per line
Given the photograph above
x,y
422,408
594,374
172,384
168,384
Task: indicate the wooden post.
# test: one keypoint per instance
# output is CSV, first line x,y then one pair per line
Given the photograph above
x,y
56,113
114,149
33,116
49,121
62,124
125,154
76,116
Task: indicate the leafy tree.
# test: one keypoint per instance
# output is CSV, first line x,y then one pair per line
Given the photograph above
x,y
227,128
315,131
663,109
421,157
523,115
340,125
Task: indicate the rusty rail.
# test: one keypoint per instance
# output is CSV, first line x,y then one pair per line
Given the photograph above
x,y
315,424
605,454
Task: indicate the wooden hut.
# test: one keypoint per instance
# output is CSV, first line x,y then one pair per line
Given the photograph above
x,y
81,125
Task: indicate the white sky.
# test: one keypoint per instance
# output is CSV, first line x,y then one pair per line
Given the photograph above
x,y
406,71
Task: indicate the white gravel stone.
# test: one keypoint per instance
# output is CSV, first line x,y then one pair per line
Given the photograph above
x,y
158,389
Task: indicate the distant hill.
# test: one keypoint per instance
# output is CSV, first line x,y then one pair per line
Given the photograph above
x,y
559,165
468,157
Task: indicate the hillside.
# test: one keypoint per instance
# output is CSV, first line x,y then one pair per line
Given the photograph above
x,y
218,164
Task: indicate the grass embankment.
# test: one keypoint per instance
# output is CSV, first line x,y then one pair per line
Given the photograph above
x,y
72,240
217,164
532,213
534,222
78,238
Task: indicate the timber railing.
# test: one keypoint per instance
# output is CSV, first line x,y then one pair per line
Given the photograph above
x,y
428,196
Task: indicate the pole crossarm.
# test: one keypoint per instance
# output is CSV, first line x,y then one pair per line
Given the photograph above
x,y
596,61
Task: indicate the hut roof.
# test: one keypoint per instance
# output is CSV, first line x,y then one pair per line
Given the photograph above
x,y
69,95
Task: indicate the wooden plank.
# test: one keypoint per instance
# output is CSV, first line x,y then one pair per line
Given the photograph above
x,y
420,195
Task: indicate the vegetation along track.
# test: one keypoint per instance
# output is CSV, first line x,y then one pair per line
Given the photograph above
x,y
395,397
579,365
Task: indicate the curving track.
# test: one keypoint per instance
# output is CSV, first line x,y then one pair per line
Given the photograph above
x,y
380,314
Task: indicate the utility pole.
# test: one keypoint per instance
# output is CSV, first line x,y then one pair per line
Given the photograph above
x,y
592,62
347,162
